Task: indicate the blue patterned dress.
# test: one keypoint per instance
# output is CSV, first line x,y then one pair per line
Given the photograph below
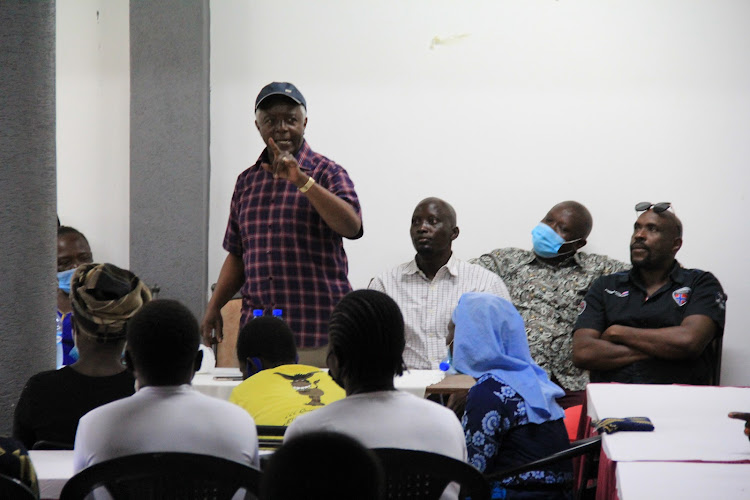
x,y
499,436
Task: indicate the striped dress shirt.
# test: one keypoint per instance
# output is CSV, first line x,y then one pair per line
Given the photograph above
x,y
427,305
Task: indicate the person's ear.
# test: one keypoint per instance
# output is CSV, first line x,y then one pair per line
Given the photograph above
x,y
454,233
676,245
198,360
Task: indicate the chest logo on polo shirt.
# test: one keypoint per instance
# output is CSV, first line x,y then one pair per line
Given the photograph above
x,y
681,295
581,307
616,293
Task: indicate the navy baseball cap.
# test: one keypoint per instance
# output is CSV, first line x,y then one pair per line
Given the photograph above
x,y
280,88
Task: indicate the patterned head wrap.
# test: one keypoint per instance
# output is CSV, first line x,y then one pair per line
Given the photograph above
x,y
104,297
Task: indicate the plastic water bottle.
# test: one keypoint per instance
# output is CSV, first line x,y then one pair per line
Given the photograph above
x,y
446,366
58,337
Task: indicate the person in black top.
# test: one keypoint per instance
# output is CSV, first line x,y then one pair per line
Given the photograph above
x,y
103,298
655,323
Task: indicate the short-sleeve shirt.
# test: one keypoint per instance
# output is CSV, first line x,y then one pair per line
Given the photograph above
x,y
427,305
277,396
292,259
621,299
547,296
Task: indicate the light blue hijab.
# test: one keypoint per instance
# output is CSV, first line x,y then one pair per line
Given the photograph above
x,y
490,338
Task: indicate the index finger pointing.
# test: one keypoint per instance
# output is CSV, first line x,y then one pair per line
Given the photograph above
x,y
274,148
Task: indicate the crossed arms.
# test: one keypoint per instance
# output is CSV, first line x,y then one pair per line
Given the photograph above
x,y
620,346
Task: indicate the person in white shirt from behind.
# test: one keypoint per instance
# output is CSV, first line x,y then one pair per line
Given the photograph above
x,y
428,287
165,414
366,345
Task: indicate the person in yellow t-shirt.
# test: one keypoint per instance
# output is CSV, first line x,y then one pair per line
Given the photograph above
x,y
276,390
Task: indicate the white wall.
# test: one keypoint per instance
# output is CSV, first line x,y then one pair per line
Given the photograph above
x,y
93,124
605,102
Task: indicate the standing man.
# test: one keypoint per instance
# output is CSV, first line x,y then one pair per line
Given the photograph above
x,y
547,284
289,214
428,287
654,324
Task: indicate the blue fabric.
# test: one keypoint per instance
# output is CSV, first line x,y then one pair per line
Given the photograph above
x,y
546,241
491,338
63,280
499,436
69,356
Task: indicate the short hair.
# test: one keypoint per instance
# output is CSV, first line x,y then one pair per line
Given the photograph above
x,y
447,207
162,340
63,230
323,465
267,337
676,222
366,333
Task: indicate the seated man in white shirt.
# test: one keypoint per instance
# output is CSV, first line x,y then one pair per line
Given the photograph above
x,y
165,414
428,287
366,344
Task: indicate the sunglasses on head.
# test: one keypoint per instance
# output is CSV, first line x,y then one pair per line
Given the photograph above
x,y
657,207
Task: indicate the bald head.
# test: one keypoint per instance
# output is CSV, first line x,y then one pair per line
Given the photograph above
x,y
579,218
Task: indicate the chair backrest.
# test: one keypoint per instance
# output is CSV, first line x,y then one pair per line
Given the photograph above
x,y
165,476
271,436
13,489
412,474
589,446
43,444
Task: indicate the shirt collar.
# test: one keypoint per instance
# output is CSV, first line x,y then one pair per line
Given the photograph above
x,y
575,258
451,266
676,274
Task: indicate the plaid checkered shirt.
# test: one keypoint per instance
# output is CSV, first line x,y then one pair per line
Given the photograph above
x,y
293,261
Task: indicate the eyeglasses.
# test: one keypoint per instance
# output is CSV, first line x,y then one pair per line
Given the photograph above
x,y
657,207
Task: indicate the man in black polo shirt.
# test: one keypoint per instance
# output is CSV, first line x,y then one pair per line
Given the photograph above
x,y
654,323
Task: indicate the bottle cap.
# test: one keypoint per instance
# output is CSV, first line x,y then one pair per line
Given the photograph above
x,y
257,313
444,366
277,313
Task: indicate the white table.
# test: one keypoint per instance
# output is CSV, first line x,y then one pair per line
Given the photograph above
x,y
413,381
53,469
691,430
690,422
683,480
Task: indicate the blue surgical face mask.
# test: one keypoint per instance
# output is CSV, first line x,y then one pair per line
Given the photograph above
x,y
547,242
63,280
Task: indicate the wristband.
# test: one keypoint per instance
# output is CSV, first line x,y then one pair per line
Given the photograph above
x,y
307,186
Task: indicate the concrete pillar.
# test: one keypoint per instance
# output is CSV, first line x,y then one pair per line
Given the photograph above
x,y
169,147
28,242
